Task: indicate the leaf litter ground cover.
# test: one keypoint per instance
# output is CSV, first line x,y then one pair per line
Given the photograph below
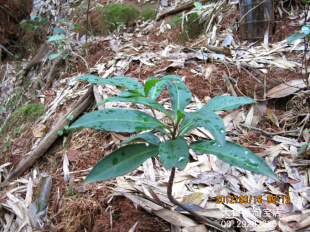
x,y
93,207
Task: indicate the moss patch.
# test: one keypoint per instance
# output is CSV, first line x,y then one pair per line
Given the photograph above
x,y
22,115
116,15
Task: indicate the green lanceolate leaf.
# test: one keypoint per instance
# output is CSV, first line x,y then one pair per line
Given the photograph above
x,y
130,84
147,137
64,20
294,37
54,56
97,80
149,84
174,153
156,90
118,120
226,103
120,162
234,154
180,97
128,93
207,119
84,6
71,26
140,100
57,38
124,82
59,30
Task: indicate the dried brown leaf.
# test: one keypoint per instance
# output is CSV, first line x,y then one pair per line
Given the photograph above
x,y
286,89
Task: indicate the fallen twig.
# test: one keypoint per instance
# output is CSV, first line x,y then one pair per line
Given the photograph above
x,y
270,134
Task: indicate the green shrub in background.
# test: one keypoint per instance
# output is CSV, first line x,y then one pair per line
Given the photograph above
x,y
148,12
116,14
120,15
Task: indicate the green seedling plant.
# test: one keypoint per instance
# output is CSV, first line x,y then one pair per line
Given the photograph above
x,y
172,148
61,40
66,128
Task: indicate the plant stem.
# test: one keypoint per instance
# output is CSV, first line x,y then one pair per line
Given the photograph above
x,y
206,221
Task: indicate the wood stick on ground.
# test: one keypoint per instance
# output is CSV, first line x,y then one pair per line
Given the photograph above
x,y
49,139
177,10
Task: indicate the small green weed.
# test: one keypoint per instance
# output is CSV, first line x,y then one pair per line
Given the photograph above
x,y
24,114
71,191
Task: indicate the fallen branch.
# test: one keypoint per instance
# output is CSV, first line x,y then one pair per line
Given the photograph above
x,y
176,10
270,134
49,139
